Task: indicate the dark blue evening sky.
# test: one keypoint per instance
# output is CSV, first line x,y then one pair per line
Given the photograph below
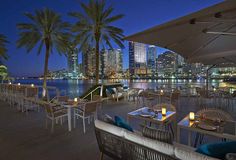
x,y
139,15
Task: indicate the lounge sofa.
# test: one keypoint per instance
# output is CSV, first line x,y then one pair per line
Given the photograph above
x,y
119,143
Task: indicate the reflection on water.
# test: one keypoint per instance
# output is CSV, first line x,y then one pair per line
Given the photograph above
x,y
78,87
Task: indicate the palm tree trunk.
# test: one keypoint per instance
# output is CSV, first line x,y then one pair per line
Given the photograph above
x,y
97,57
45,69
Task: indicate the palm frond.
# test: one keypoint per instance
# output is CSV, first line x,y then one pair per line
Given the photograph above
x,y
96,20
44,24
3,48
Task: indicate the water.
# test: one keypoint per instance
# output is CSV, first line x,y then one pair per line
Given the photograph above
x,y
78,87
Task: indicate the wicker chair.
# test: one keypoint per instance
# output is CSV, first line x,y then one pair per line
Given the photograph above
x,y
211,113
215,113
169,125
54,114
86,111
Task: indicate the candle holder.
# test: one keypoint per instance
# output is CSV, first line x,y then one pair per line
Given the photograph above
x,y
75,99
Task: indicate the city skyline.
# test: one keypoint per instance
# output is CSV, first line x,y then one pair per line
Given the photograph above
x,y
22,64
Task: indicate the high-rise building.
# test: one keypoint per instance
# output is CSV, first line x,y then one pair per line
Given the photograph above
x,y
73,63
137,59
111,62
151,60
166,64
89,63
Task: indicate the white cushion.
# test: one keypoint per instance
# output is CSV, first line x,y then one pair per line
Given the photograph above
x,y
110,128
150,143
184,153
119,95
114,89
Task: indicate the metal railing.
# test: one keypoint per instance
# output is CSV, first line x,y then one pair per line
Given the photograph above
x,y
91,92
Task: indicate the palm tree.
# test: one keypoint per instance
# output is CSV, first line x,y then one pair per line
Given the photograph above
x,y
46,29
3,49
94,28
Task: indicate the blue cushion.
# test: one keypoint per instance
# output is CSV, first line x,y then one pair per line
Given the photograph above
x,y
125,87
217,150
110,90
120,122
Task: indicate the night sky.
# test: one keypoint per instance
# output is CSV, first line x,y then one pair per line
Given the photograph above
x,y
139,15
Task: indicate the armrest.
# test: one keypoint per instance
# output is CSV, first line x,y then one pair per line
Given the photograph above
x,y
230,156
184,146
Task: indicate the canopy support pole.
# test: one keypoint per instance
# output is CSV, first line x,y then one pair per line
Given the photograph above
x,y
207,78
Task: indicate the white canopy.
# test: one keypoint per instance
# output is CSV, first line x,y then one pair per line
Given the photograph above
x,y
207,36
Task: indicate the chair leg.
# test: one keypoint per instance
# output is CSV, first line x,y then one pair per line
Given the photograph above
x,y
46,122
74,121
101,155
61,120
52,129
196,140
171,129
201,138
84,124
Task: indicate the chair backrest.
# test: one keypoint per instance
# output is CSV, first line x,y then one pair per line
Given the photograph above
x,y
169,107
142,93
202,93
175,95
49,109
215,113
90,107
97,98
31,92
120,89
62,98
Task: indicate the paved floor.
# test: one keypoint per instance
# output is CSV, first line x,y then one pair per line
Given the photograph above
x,y
24,137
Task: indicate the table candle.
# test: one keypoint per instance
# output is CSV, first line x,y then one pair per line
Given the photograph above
x,y
162,91
32,85
163,111
191,116
75,99
18,84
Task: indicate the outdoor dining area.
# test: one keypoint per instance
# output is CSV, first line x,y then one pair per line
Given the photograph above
x,y
184,122
26,98
208,121
157,115
206,131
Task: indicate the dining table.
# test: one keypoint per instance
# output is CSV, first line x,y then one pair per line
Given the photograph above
x,y
146,114
69,105
210,127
